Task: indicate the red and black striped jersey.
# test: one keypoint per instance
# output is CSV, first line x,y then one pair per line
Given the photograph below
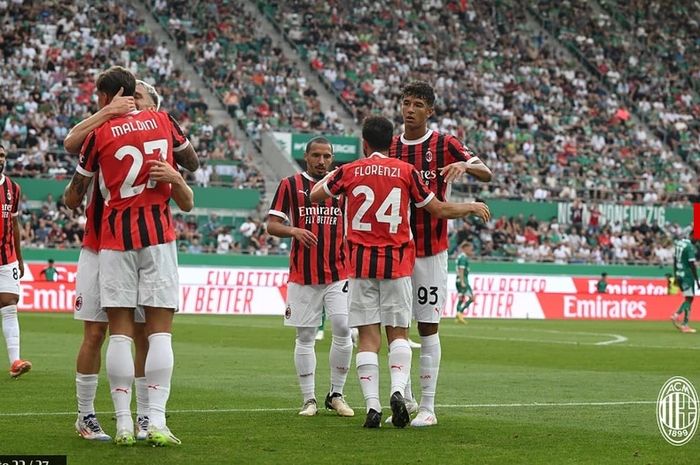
x,y
94,211
136,211
10,192
378,191
428,155
324,263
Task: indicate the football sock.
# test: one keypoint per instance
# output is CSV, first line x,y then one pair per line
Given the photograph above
x,y
142,409
159,372
305,361
339,360
86,389
399,364
468,303
341,352
431,354
408,392
368,372
120,371
682,308
10,329
460,306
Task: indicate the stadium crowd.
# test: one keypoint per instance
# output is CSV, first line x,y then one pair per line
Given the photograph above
x,y
647,52
548,127
51,54
260,86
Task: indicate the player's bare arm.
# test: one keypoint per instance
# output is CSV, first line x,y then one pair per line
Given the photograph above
x,y
473,167
18,249
276,227
319,193
187,158
75,190
118,106
452,210
182,194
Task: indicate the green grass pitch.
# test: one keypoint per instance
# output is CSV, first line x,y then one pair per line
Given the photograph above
x,y
510,392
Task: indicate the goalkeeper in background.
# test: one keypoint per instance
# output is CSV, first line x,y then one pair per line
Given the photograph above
x,y
687,275
464,290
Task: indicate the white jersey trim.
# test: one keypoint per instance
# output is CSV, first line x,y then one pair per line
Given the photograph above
x,y
328,191
80,170
278,214
416,141
426,201
182,147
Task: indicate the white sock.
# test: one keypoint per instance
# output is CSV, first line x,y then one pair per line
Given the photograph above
x,y
305,363
399,364
10,329
339,361
120,371
368,371
141,397
408,392
429,368
159,373
86,388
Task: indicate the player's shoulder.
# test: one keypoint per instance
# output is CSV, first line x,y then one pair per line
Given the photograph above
x,y
11,182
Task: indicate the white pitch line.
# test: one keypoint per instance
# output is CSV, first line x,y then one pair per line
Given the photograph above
x,y
294,409
617,339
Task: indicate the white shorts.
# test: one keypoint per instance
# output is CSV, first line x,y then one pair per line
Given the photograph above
x,y
305,303
87,291
146,276
385,301
429,287
9,278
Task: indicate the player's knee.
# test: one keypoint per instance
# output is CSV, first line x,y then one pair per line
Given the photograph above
x,y
339,325
427,329
94,335
7,300
306,336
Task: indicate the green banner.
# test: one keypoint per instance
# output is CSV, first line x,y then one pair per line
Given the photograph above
x,y
610,212
345,148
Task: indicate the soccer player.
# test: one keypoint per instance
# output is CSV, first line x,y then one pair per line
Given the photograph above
x,y
379,191
137,244
87,306
464,290
601,286
50,273
687,275
11,269
317,275
439,159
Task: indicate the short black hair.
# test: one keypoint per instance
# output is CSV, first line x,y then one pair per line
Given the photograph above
x,y
603,274
421,90
378,132
318,140
51,260
115,78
